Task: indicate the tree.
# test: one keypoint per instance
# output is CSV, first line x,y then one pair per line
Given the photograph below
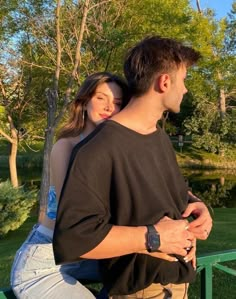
x,y
8,129
9,133
210,123
13,139
52,95
15,86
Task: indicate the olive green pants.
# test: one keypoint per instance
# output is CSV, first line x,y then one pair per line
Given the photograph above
x,y
158,291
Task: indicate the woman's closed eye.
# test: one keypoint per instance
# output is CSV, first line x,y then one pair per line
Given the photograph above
x,y
101,98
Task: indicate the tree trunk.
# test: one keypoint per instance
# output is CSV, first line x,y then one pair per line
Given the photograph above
x,y
222,181
13,154
222,98
46,172
12,165
164,120
49,134
222,103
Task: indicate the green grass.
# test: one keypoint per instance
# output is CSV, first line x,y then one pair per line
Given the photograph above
x,y
197,158
8,246
222,238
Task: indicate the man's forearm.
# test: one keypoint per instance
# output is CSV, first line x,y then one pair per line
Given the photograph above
x,y
123,240
120,240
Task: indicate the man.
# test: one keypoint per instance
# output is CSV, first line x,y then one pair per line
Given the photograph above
x,y
124,198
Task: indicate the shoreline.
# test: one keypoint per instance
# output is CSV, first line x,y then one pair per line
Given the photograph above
x,y
184,160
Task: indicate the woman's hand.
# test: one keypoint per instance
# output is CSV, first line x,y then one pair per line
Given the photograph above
x,y
191,256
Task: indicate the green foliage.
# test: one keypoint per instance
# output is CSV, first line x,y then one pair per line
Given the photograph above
x,y
3,118
15,206
217,194
210,131
209,142
2,112
170,129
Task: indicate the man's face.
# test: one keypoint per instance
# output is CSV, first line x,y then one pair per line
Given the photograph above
x,y
176,91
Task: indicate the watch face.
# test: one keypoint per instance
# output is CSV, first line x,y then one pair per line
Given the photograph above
x,y
153,242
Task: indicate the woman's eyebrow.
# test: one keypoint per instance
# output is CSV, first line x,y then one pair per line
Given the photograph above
x,y
101,93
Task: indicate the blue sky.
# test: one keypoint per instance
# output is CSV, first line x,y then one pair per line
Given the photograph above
x,y
221,7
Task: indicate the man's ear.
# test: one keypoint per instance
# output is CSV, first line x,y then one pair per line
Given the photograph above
x,y
163,82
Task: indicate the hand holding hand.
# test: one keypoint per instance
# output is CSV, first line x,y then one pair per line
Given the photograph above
x,y
174,236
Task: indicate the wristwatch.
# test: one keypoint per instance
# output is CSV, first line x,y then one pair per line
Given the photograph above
x,y
153,239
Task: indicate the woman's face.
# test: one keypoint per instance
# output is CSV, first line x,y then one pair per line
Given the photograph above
x,y
105,102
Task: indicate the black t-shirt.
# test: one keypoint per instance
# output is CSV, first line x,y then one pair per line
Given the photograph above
x,y
121,177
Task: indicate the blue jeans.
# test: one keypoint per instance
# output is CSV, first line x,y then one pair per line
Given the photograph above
x,y
35,275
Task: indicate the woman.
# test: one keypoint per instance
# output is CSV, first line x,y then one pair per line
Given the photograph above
x,y
34,273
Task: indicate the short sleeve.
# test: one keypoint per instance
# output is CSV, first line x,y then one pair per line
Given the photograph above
x,y
83,212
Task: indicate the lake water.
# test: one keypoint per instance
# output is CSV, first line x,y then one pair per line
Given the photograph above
x,y
217,188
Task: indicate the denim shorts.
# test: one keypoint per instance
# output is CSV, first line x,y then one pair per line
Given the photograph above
x,y
35,274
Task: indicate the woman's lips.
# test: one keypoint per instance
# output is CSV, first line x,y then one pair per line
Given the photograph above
x,y
105,116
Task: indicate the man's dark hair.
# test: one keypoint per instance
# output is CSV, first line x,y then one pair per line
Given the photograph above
x,y
152,56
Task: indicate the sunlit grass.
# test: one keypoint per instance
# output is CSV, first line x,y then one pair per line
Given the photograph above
x,y
203,159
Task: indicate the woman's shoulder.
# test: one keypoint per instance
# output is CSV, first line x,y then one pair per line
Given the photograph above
x,y
61,143
63,146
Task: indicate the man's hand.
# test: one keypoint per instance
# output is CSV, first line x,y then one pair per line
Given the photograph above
x,y
202,225
174,236
190,257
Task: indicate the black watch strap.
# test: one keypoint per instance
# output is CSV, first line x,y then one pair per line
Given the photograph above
x,y
153,239
151,229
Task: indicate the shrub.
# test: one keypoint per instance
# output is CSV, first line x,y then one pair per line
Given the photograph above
x,y
15,206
